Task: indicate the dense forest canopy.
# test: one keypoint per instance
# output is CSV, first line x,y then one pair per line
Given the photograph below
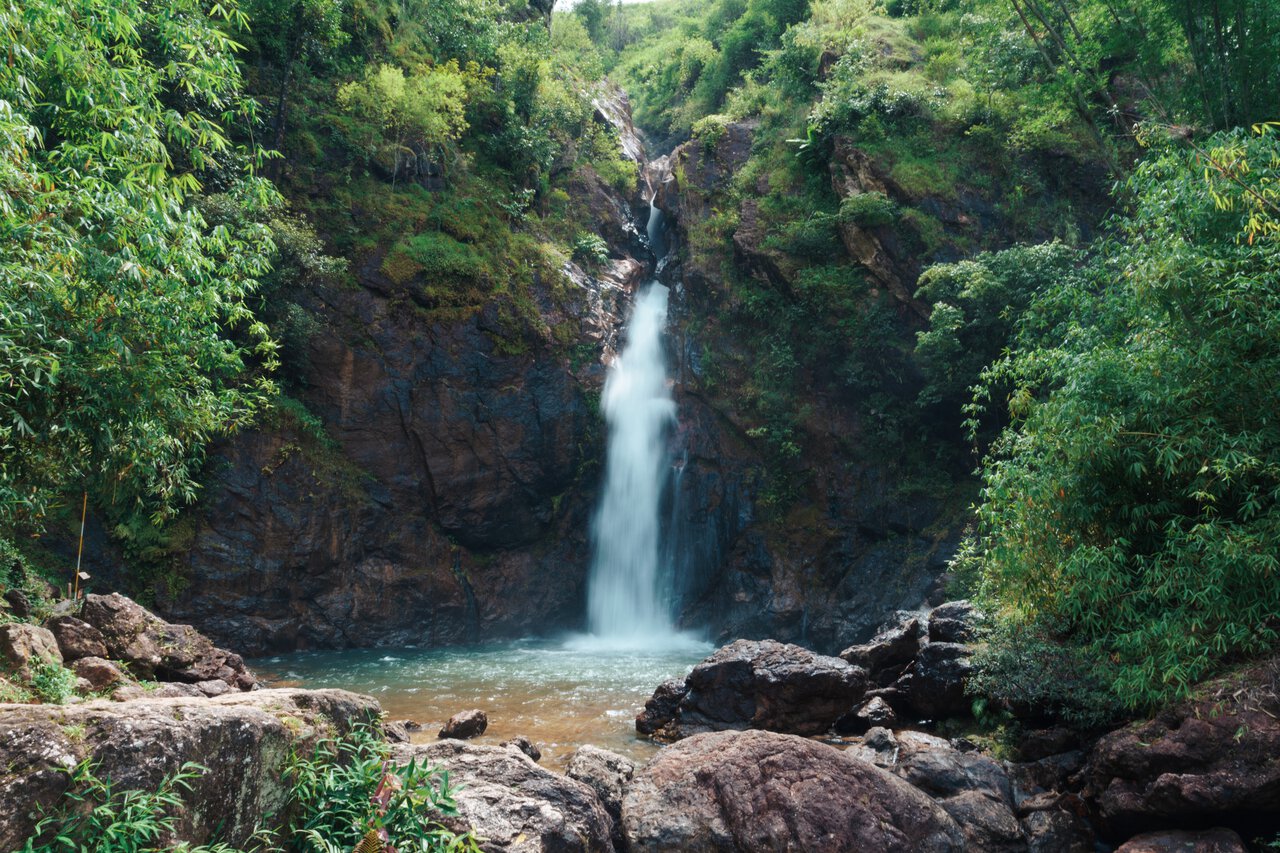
x,y
173,174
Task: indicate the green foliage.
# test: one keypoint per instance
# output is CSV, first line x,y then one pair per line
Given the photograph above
x,y
52,682
95,814
977,304
1133,502
1024,668
126,337
590,249
408,115
348,790
869,210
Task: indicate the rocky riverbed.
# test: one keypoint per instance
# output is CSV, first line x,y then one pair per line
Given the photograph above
x,y
741,774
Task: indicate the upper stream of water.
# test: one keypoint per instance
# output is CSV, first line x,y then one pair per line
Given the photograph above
x,y
560,695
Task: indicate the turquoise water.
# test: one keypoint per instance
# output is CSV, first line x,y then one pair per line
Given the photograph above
x,y
559,694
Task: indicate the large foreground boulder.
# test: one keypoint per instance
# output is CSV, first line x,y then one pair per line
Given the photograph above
x,y
759,684
754,792
513,805
244,741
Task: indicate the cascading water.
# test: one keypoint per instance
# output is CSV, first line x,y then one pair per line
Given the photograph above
x,y
625,597
629,594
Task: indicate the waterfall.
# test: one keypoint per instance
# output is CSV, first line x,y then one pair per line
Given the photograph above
x,y
629,592
624,597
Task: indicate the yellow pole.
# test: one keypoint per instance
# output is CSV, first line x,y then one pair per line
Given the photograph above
x,y
84,510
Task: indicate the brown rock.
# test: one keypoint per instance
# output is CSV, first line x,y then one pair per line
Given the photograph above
x,y
155,649
465,725
523,744
395,731
953,622
1057,831
1199,763
101,674
243,739
889,651
660,708
608,774
515,805
765,684
1175,841
760,791
23,645
934,687
77,639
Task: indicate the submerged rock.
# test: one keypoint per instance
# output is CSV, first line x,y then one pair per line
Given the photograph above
x,y
751,792
523,744
465,725
243,740
514,805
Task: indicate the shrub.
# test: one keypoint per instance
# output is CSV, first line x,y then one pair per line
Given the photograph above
x,y
869,210
590,250
52,682
347,792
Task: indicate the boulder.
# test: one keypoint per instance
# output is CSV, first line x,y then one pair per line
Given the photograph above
x,y
953,622
764,684
395,731
971,787
1057,831
513,804
155,649
101,674
760,791
523,744
153,690
1175,841
660,708
934,687
886,654
23,645
18,602
77,639
874,713
465,725
1202,763
244,740
608,774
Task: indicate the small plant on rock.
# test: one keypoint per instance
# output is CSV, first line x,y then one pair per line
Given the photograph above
x,y
348,795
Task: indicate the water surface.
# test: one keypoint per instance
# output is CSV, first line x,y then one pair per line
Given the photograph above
x,y
560,695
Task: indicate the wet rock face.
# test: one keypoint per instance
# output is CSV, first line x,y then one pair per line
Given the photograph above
x,y
244,740
750,792
454,501
515,805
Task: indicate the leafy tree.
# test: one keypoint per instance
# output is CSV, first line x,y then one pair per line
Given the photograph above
x,y
1131,511
117,296
423,112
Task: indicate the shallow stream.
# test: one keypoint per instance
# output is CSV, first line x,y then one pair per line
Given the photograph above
x,y
559,694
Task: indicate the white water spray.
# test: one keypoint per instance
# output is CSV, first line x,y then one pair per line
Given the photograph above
x,y
625,600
